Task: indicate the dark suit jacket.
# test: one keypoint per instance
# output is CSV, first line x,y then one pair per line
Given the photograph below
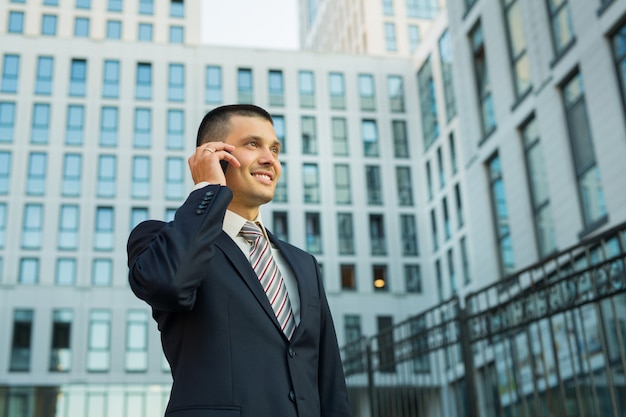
x,y
227,353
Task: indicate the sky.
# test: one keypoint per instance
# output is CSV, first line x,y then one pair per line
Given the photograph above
x,y
251,23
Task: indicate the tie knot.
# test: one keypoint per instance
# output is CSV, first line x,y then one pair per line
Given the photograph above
x,y
250,231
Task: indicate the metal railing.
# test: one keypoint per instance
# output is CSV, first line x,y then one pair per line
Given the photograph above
x,y
548,341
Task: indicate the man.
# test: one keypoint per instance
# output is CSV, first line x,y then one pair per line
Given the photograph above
x,y
245,325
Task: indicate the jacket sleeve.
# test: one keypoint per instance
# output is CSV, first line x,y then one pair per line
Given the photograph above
x,y
166,260
332,383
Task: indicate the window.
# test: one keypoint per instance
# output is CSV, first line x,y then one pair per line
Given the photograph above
x,y
32,226
10,73
309,135
311,184
41,124
428,104
5,171
618,43
103,238
29,271
408,232
395,89
74,131
136,341
422,9
60,343
378,244
520,65
313,233
400,140
3,225
177,8
43,82
115,5
78,78
177,34
539,191
279,128
281,225
143,87
404,186
388,7
68,227
340,136
174,178
102,272
439,278
7,121
244,85
306,82
414,37
65,271
390,37
337,91
99,341
213,92
111,79
342,184
146,7
459,206
144,32
445,58
280,195
561,22
469,4
175,129
81,27
114,29
107,167
345,234
366,92
176,83
373,184
137,215
142,128
433,229
276,88
581,141
441,169
21,340
108,126
413,278
72,168
465,261
49,25
369,133
447,227
379,275
141,177
36,180
16,22
452,149
501,216
429,180
348,277
483,83
83,4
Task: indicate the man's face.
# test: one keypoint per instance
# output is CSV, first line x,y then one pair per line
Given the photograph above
x,y
256,148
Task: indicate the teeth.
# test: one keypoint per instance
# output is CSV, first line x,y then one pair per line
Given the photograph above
x,y
264,177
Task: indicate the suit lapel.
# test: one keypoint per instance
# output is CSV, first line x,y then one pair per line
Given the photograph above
x,y
247,274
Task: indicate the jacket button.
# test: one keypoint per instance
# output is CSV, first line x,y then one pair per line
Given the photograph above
x,y
292,396
199,211
291,352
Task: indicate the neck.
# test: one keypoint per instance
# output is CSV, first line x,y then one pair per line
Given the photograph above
x,y
247,213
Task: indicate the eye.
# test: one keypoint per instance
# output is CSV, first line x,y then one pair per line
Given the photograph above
x,y
275,149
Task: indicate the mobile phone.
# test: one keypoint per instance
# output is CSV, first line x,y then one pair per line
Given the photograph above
x,y
224,165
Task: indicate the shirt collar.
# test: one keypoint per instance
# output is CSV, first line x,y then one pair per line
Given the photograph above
x,y
234,222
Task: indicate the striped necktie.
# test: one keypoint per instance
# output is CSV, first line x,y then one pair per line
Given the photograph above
x,y
270,277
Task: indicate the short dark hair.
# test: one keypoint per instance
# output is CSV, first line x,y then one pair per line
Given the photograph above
x,y
215,124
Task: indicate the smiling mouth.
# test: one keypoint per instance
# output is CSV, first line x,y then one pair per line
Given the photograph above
x,y
263,177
